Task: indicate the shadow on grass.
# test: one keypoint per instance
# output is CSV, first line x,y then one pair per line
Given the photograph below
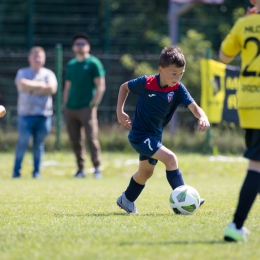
x,y
114,214
92,214
211,242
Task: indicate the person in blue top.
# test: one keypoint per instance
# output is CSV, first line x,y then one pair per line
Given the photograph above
x,y
158,97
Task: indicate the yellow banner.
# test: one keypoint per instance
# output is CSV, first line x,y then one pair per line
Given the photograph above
x,y
213,89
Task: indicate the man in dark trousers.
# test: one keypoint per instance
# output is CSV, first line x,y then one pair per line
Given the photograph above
x,y
83,91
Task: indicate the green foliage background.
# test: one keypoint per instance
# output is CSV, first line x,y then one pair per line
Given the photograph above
x,y
201,27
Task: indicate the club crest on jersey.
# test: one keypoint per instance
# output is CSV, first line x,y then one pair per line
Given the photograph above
x,y
170,96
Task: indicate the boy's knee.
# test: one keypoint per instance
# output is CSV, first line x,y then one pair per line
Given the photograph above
x,y
171,159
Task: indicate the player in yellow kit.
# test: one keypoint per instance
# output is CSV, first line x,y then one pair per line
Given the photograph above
x,y
244,37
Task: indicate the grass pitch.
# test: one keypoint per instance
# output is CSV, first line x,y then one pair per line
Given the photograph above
x,y
58,217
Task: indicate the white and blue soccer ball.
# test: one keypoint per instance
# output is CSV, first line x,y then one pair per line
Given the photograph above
x,y
184,200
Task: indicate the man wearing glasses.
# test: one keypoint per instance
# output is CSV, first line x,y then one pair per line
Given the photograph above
x,y
83,91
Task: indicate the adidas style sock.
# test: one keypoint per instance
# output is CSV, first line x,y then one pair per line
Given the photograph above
x,y
247,197
133,190
174,178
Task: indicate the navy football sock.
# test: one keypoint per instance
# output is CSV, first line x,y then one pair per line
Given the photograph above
x,y
174,178
247,197
133,190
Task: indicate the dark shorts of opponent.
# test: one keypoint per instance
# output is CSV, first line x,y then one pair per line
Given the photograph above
x,y
252,139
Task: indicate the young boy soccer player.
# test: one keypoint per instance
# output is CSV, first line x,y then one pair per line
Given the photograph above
x,y
158,97
245,37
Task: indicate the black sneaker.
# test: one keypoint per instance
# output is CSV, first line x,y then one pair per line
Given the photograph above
x,y
201,201
80,174
36,175
16,175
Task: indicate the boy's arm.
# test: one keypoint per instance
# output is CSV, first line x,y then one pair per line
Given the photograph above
x,y
122,117
203,122
224,58
230,42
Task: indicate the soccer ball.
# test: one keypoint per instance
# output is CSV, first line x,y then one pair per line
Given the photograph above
x,y
184,200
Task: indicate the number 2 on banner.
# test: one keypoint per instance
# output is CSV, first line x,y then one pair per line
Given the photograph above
x,y
149,143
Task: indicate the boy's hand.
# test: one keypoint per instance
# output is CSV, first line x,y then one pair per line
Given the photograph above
x,y
124,120
203,124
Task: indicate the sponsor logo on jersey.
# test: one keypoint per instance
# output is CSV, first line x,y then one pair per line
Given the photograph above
x,y
151,95
170,96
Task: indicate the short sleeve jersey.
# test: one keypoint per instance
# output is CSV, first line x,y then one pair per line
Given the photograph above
x,y
244,37
82,75
155,105
31,104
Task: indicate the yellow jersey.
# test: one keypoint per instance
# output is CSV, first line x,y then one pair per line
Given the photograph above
x,y
244,37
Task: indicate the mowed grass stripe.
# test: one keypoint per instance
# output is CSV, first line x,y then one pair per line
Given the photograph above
x,y
59,217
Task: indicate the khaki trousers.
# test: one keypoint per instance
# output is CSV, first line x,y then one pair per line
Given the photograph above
x,y
79,121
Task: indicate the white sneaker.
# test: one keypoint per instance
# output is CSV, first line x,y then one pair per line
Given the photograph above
x,y
127,205
232,234
97,174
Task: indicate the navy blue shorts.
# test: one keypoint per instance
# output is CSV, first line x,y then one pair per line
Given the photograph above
x,y
252,138
146,147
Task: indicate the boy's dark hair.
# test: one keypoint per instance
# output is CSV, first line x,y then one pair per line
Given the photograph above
x,y
172,55
80,35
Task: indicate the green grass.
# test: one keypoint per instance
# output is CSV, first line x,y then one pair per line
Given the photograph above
x,y
59,217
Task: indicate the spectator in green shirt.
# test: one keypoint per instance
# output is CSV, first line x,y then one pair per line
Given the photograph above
x,y
83,91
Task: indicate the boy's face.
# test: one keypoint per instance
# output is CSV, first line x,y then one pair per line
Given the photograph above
x,y
170,75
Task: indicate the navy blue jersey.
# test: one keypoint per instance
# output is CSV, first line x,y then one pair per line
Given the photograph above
x,y
155,104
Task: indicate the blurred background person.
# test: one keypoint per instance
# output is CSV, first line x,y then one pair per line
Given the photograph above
x,y
35,85
83,91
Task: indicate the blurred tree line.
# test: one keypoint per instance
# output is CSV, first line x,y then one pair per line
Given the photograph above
x,y
202,26
123,27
